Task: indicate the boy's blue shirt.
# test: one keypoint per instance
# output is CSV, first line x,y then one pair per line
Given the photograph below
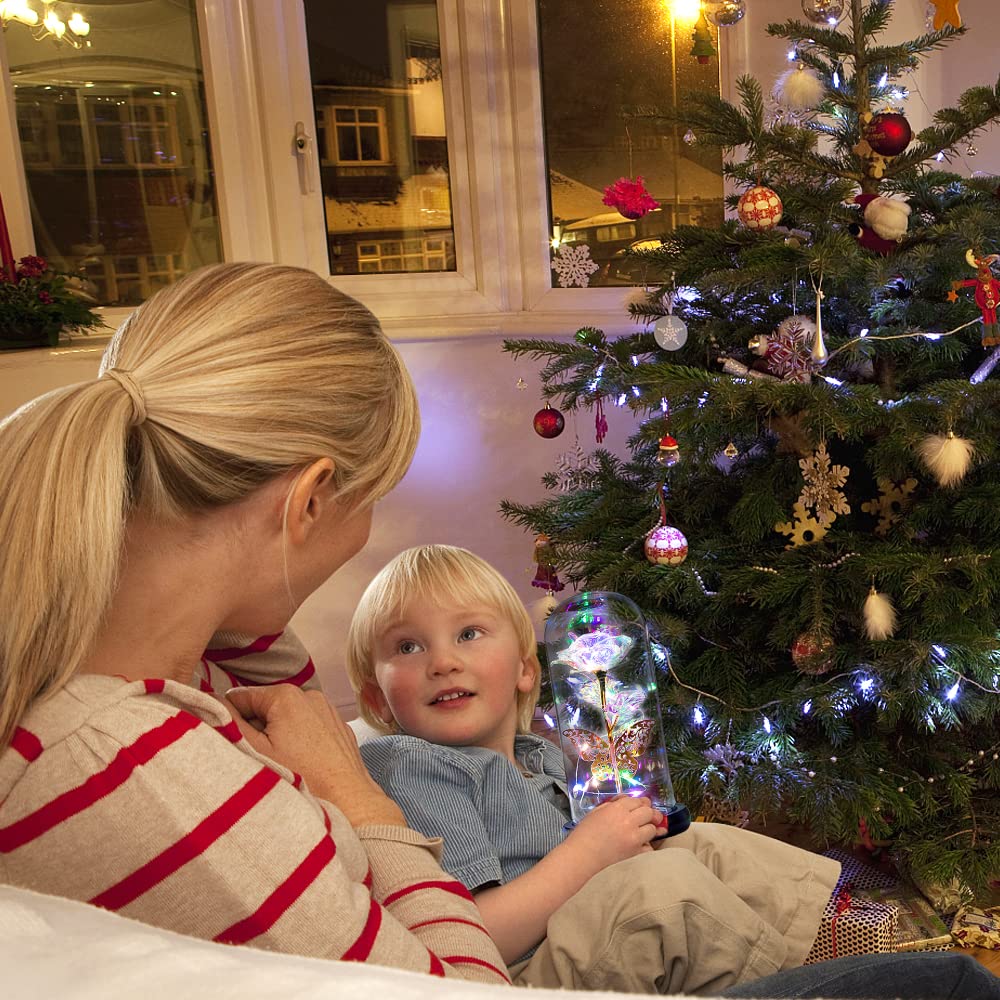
x,y
495,822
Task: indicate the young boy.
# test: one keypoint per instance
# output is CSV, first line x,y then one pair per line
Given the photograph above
x,y
441,654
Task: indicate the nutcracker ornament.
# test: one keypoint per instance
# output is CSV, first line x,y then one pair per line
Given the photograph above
x,y
604,688
987,294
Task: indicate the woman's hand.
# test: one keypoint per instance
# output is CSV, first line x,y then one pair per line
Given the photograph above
x,y
300,730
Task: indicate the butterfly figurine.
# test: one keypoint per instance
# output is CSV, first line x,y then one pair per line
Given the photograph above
x,y
629,745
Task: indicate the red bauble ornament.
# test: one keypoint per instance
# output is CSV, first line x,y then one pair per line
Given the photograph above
x,y
666,546
888,133
812,653
549,422
759,208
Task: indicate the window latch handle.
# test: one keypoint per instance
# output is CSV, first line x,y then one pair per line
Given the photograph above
x,y
303,145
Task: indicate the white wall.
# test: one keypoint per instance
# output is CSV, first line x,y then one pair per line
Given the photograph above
x,y
478,445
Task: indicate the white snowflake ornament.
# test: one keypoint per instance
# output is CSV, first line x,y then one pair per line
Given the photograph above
x,y
576,469
573,265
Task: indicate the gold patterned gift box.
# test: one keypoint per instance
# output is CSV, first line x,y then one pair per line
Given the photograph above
x,y
974,927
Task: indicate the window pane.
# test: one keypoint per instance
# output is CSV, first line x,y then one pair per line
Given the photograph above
x,y
114,139
376,76
600,125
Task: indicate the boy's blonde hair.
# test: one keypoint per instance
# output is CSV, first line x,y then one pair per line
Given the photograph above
x,y
216,385
445,575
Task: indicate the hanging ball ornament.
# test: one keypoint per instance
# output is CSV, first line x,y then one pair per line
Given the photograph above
x,y
813,653
888,133
759,208
549,422
666,546
823,11
723,13
669,452
670,332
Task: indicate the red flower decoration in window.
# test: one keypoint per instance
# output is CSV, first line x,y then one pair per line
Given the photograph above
x,y
31,267
630,197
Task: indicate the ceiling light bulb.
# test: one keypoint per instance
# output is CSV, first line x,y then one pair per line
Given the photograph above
x,y
78,24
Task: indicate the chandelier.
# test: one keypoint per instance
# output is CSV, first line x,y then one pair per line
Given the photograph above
x,y
48,24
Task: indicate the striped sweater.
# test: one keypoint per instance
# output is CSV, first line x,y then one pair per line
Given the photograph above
x,y
142,797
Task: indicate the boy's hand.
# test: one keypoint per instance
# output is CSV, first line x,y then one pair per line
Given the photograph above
x,y
616,830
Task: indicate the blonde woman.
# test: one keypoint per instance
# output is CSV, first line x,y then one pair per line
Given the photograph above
x,y
224,464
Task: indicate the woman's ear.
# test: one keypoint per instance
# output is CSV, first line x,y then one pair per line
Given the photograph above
x,y
308,498
374,700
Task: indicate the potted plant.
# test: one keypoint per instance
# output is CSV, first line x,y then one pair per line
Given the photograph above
x,y
37,303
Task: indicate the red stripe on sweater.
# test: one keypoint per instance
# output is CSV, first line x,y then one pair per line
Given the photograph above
x,y
76,800
154,685
454,887
469,960
450,920
437,968
367,880
261,645
28,745
206,833
362,948
230,730
268,913
296,779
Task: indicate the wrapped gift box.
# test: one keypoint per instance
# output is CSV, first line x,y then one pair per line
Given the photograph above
x,y
919,927
853,924
975,927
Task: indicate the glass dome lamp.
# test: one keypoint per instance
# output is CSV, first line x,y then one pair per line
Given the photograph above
x,y
604,689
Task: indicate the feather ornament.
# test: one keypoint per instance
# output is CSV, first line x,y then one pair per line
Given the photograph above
x,y
880,616
799,88
948,457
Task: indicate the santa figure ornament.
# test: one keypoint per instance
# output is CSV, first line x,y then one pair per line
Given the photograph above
x,y
759,208
885,223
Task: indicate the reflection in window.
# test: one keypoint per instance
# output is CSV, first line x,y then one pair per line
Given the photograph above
x,y
114,140
600,124
380,127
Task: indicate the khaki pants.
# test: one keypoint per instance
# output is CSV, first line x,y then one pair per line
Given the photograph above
x,y
715,906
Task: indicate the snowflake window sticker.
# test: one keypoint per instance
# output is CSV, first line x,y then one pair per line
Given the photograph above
x,y
573,265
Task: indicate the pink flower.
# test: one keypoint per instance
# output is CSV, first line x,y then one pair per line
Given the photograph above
x,y
630,197
44,296
32,267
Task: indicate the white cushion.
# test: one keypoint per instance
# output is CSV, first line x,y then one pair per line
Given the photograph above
x,y
52,947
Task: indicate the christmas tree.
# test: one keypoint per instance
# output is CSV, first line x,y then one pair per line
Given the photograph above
x,y
814,414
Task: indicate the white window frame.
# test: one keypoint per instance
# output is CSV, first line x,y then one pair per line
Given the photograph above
x,y
270,203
